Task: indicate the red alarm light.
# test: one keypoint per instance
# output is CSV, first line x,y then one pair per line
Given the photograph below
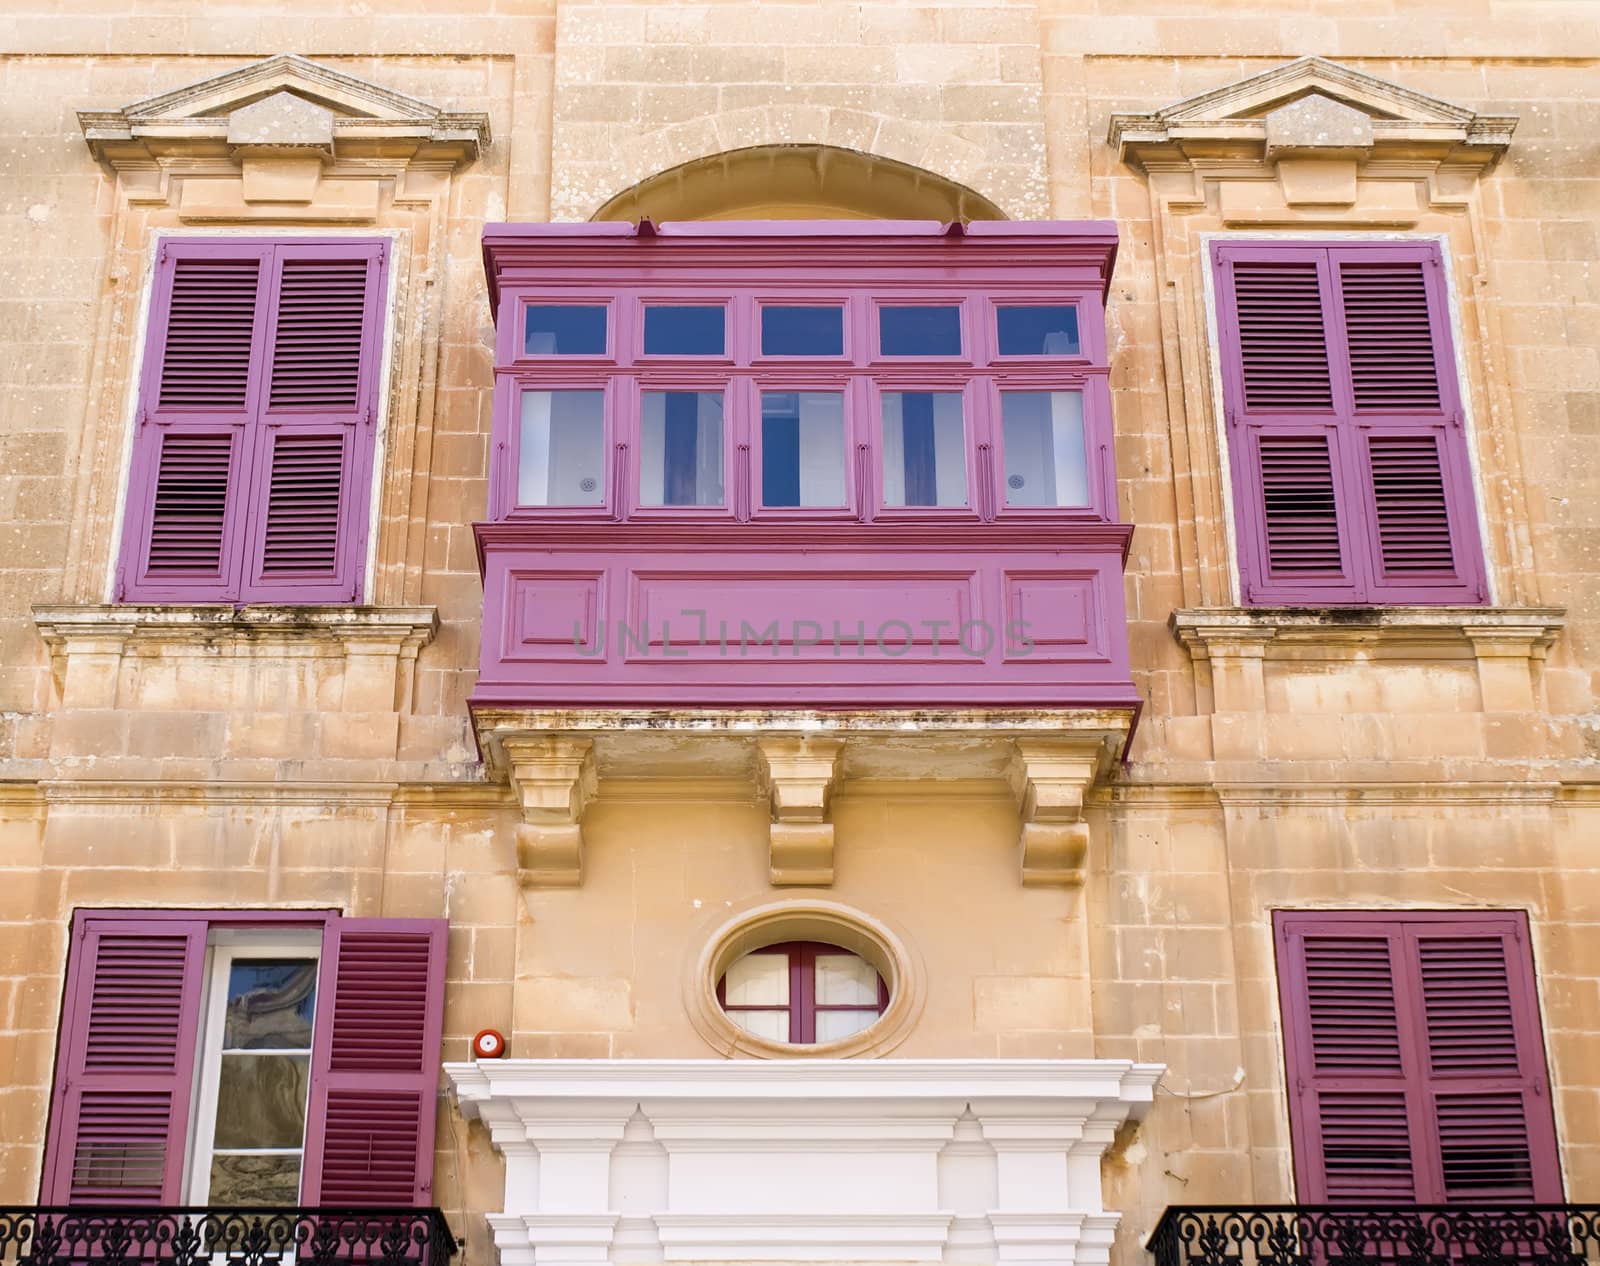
x,y
489,1044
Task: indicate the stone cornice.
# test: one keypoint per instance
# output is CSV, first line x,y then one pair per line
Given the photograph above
x,y
65,628
1343,632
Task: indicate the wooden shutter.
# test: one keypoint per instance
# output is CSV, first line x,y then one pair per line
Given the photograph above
x,y
202,376
1416,1070
375,1063
1350,471
253,461
318,421
125,1063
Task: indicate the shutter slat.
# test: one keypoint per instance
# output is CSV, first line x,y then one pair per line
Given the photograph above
x,y
1366,1146
1484,1146
1283,346
189,518
319,333
210,334
1300,506
375,1069
1389,335
304,492
1408,492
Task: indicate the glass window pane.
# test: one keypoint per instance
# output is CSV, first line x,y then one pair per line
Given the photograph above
x,y
680,459
833,1025
564,329
802,448
757,980
683,329
261,1100
1046,464
1038,331
270,1004
924,449
255,1181
772,1025
846,980
920,331
562,457
802,331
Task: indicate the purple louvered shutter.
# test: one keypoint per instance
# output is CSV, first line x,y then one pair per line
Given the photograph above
x,y
1350,471
375,1063
125,1063
252,465
1415,1066
313,449
198,393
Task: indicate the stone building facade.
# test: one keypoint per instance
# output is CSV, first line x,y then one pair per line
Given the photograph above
x,y
593,861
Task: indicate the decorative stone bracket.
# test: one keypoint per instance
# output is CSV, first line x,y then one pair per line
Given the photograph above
x,y
554,778
1049,780
798,775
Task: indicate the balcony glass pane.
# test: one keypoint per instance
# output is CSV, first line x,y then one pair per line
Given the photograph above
x,y
678,329
1050,330
255,1180
562,453
270,1004
920,331
680,459
1046,464
802,448
757,980
833,1025
565,329
802,331
924,449
261,1100
846,980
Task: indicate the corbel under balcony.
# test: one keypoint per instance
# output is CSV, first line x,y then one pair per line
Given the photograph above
x,y
1231,646
792,763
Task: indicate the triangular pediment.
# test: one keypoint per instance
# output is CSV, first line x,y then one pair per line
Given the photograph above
x,y
199,114
1320,91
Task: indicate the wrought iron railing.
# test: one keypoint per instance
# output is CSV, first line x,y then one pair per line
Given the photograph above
x,y
1383,1235
78,1235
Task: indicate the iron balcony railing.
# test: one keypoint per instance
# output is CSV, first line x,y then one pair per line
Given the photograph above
x,y
105,1235
1378,1235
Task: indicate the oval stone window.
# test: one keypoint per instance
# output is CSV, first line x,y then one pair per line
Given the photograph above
x,y
803,993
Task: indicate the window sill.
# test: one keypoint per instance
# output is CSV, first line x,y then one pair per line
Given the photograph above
x,y
1231,644
88,644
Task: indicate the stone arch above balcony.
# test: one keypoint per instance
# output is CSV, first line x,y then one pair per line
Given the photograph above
x,y
808,163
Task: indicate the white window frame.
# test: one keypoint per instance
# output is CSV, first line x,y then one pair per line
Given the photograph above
x,y
223,947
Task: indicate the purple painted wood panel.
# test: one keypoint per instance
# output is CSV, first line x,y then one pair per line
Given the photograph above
x,y
125,1061
252,463
1351,477
593,603
1415,1058
375,1063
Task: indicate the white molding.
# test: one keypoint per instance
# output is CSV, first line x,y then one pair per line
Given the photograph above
x,y
803,1160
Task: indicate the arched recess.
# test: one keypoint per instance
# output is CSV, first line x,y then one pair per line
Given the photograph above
x,y
797,182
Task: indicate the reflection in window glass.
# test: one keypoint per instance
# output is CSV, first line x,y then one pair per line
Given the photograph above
x,y
1038,331
561,458
924,449
802,331
920,331
802,448
680,458
566,329
1046,463
678,329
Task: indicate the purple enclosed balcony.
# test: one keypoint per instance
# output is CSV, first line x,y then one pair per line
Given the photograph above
x,y
800,467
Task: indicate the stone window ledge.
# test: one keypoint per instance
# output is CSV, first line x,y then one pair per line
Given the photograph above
x,y
89,644
1231,644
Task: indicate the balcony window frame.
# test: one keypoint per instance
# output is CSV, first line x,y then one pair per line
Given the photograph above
x,y
510,389
877,299
630,432
1088,331
973,431
733,328
562,297
846,385
847,301
1099,474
